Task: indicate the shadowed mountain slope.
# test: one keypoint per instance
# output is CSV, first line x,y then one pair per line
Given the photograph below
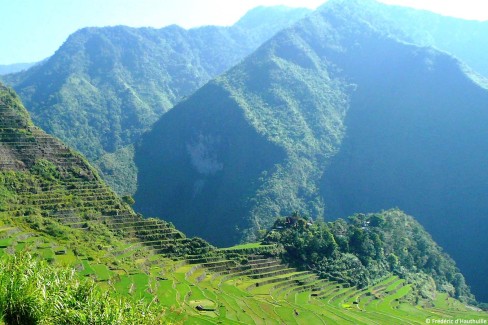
x,y
422,148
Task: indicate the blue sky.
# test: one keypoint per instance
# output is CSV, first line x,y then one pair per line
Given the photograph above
x,y
31,30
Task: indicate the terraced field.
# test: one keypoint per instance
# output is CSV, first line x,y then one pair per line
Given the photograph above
x,y
40,176
259,291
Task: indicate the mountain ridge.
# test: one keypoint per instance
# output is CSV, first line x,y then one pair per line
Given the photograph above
x,y
15,67
459,37
105,86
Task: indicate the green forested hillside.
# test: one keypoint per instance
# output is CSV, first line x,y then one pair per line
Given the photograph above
x,y
54,206
333,116
49,188
105,86
420,149
407,117
367,248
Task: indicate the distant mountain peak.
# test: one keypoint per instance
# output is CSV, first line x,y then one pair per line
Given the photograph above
x,y
266,15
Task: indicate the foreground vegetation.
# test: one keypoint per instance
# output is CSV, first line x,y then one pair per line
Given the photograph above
x,y
34,292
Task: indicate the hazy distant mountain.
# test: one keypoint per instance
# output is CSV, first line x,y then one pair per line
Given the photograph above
x,y
105,86
16,67
403,124
465,39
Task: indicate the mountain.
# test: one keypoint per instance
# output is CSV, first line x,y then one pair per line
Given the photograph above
x,y
105,86
71,251
329,117
13,68
465,39
422,149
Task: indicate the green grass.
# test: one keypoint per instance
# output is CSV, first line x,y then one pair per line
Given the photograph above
x,y
46,253
5,242
123,285
87,268
246,246
166,293
177,287
101,271
141,282
34,292
66,259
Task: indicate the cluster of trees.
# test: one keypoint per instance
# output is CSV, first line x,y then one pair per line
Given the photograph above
x,y
367,247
